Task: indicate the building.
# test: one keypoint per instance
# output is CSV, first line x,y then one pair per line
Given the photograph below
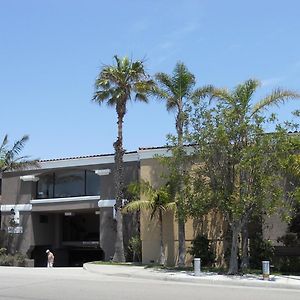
x,y
67,205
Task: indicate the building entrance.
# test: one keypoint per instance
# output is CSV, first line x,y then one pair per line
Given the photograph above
x,y
80,238
73,237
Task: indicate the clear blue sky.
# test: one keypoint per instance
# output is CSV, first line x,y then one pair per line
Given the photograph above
x,y
51,52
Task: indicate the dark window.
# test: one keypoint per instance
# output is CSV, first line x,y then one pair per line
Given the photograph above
x,y
81,227
69,184
43,219
45,186
92,184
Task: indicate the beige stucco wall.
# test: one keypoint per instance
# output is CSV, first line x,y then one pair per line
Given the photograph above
x,y
273,228
212,225
151,170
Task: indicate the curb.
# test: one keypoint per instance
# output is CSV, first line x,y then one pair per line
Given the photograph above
x,y
92,268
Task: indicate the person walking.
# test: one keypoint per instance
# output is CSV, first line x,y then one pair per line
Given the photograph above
x,y
50,259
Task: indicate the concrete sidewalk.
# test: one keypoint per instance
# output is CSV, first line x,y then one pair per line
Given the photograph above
x,y
285,282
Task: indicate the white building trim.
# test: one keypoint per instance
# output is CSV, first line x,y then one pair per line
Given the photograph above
x,y
166,152
63,200
151,153
106,203
16,207
29,178
86,161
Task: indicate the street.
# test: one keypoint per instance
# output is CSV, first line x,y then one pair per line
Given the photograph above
x,y
76,283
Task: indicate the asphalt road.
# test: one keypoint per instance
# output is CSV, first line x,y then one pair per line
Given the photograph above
x,y
78,284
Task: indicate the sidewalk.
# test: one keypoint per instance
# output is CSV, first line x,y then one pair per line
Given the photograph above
x,y
286,282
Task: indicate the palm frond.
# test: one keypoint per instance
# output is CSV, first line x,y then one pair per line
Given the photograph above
x,y
176,87
164,94
275,98
222,94
21,165
165,81
144,86
183,80
244,92
124,80
141,97
4,143
10,159
137,205
19,145
171,206
101,96
203,92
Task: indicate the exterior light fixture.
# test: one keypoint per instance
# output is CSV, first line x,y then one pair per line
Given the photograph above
x,y
69,214
102,172
29,178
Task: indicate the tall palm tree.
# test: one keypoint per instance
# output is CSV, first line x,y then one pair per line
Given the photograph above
x,y
10,158
177,90
116,85
144,196
239,101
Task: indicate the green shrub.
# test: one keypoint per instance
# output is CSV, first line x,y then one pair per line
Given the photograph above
x,y
260,250
19,260
201,247
290,239
287,264
6,260
3,251
135,249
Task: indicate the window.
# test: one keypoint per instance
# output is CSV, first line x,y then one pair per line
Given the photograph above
x,y
71,183
45,186
44,219
92,184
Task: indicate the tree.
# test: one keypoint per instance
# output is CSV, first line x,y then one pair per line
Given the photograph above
x,y
116,85
144,196
240,163
10,158
177,91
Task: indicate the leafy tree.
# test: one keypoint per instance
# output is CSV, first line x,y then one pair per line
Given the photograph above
x,y
292,184
241,166
144,196
177,90
116,85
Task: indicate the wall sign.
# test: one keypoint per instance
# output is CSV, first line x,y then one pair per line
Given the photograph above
x,y
18,229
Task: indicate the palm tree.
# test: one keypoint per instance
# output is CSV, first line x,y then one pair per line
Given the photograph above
x,y
240,102
116,85
144,196
9,156
177,90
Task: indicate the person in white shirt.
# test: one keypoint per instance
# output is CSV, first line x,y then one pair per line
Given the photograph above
x,y
50,259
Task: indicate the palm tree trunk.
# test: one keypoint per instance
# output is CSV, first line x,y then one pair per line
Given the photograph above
x,y
162,258
119,255
180,208
233,264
